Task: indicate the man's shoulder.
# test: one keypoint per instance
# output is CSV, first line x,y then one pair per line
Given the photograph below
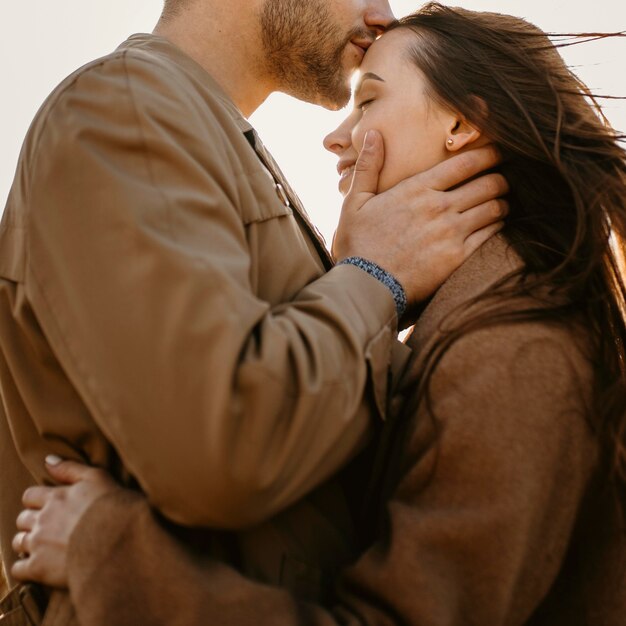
x,y
141,73
127,86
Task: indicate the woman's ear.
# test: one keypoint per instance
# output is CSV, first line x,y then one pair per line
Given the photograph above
x,y
461,134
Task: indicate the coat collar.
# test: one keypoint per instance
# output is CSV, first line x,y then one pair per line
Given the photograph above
x,y
490,263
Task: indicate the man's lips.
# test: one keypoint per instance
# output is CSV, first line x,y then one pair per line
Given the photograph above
x,y
362,45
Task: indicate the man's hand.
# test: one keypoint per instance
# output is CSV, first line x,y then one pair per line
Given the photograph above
x,y
425,227
50,516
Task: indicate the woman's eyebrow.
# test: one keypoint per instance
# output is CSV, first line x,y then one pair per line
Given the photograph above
x,y
364,77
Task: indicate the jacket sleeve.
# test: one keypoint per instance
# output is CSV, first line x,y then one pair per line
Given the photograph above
x,y
476,529
224,408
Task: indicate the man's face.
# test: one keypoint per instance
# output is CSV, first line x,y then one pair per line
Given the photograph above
x,y
312,47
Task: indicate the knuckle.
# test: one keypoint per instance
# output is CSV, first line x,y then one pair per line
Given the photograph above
x,y
24,517
439,204
27,495
488,156
495,209
451,256
57,497
446,235
491,186
502,183
503,208
498,185
362,164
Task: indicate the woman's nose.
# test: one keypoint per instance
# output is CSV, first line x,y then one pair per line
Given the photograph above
x,y
340,139
333,144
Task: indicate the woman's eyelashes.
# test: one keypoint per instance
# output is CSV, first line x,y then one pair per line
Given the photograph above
x,y
364,104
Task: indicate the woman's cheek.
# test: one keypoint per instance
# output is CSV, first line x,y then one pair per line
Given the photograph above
x,y
358,137
396,166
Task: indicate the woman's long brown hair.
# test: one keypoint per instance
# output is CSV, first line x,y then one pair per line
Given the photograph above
x,y
567,171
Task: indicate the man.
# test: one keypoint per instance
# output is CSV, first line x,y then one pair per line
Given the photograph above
x,y
167,309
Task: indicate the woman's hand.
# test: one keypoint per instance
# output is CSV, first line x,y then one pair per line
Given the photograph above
x,y
50,517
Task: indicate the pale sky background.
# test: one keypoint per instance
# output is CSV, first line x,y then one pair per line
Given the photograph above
x,y
41,41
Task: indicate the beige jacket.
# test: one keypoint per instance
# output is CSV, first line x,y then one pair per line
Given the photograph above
x,y
166,312
503,519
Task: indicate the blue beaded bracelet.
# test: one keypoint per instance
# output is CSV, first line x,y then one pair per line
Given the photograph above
x,y
397,291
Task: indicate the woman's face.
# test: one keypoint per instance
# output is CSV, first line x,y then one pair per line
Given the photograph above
x,y
391,97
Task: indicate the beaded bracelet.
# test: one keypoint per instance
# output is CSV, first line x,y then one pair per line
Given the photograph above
x,y
383,276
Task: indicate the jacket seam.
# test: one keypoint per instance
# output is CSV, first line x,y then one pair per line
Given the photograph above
x,y
146,153
54,103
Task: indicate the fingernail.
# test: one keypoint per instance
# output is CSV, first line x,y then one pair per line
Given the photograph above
x,y
53,459
368,141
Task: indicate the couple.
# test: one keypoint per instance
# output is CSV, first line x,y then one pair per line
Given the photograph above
x,y
486,482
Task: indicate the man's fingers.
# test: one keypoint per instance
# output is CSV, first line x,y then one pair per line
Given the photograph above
x,y
36,497
68,472
367,168
478,238
21,570
20,543
461,167
477,192
483,215
26,519
452,172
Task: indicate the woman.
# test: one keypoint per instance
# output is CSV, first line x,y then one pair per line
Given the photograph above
x,y
497,495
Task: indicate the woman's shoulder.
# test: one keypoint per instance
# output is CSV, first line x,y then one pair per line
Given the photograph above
x,y
540,356
505,386
476,351
498,327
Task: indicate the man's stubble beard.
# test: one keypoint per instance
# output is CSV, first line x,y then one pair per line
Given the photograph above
x,y
304,49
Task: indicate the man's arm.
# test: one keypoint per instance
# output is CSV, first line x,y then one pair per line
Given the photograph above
x,y
475,531
224,407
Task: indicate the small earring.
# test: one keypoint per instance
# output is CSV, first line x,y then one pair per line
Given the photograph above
x,y
450,142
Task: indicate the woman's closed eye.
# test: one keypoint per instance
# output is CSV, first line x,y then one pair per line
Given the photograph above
x,y
364,104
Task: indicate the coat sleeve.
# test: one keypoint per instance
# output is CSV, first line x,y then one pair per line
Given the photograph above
x,y
476,529
224,408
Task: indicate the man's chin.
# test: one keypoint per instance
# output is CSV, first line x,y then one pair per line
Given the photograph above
x,y
331,101
337,101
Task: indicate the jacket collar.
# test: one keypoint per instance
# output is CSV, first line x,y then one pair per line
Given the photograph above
x,y
490,263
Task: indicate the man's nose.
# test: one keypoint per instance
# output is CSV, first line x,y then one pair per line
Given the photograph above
x,y
379,15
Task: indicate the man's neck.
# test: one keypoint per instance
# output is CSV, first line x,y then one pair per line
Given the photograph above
x,y
226,44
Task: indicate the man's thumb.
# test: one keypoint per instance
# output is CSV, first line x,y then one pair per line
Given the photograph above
x,y
368,165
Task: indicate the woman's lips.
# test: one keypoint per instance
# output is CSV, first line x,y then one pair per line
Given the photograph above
x,y
346,172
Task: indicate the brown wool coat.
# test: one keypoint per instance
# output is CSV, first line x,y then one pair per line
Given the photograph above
x,y
166,312
505,521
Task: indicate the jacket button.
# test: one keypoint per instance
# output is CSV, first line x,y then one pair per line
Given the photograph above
x,y
282,194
